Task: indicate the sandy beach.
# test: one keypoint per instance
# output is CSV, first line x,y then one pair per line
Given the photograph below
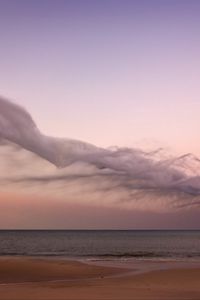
x,y
38,279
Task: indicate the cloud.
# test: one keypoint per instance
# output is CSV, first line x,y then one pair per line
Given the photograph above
x,y
126,174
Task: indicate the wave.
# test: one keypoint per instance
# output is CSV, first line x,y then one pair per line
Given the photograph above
x,y
108,256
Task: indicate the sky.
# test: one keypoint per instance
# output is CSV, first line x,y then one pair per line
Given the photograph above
x,y
111,73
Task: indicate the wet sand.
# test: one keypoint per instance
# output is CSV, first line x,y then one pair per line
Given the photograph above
x,y
39,279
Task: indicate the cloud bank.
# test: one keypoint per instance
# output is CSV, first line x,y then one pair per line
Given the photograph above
x,y
131,173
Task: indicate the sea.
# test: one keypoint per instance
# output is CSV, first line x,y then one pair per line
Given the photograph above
x,y
178,245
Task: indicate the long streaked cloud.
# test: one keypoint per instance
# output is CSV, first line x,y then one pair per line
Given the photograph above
x,y
137,173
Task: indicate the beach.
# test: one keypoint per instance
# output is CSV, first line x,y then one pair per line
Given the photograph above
x,y
56,279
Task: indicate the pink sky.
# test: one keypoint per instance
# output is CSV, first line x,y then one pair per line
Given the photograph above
x,y
122,73
21,212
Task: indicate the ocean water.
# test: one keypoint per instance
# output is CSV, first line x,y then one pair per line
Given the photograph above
x,y
103,244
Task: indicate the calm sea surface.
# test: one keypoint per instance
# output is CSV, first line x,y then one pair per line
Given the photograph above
x,y
103,244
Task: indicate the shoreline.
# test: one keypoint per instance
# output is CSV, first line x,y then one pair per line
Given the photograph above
x,y
143,265
28,278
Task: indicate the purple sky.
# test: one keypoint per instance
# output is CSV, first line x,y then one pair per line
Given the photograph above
x,y
113,72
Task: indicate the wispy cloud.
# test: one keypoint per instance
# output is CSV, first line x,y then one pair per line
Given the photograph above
x,y
125,174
